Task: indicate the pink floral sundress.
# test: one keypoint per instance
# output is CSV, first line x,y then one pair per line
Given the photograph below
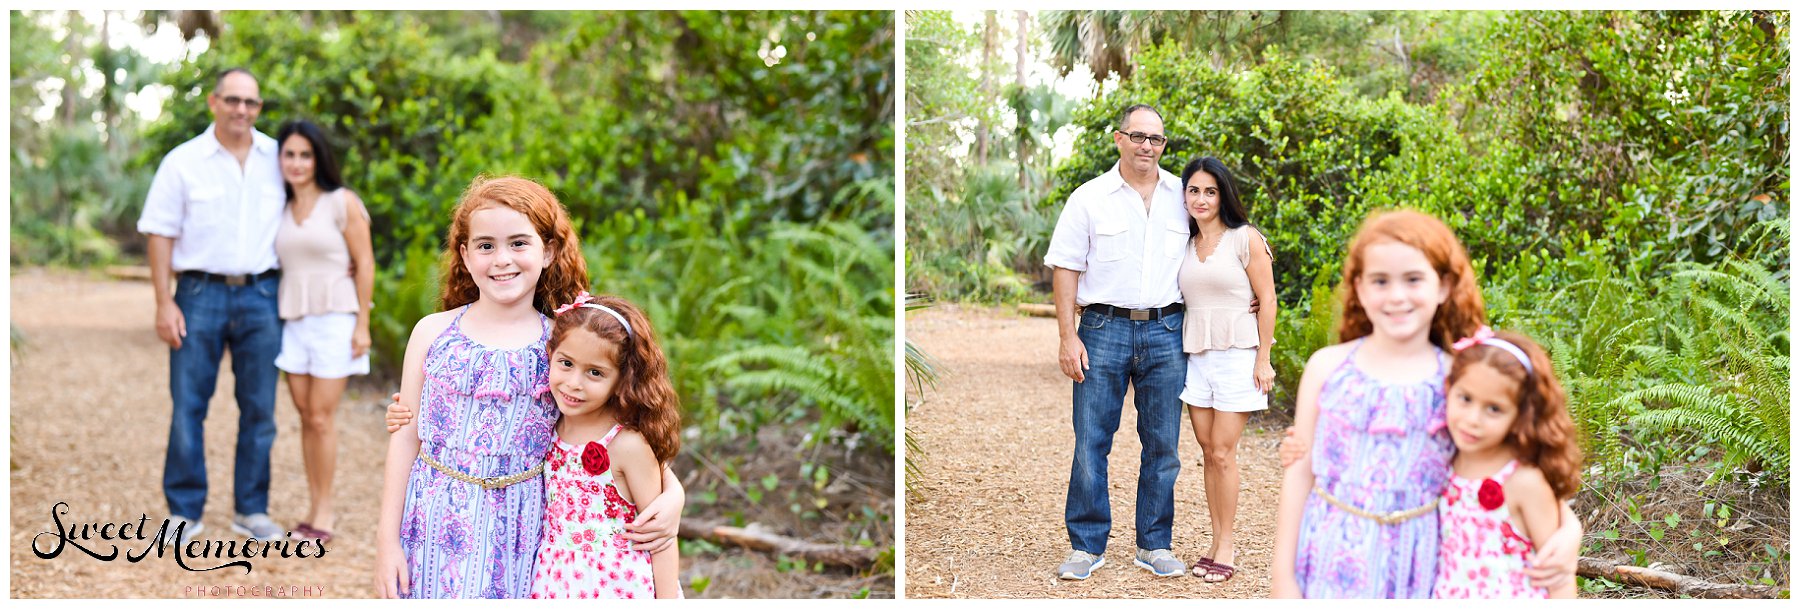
x,y
584,553
1483,556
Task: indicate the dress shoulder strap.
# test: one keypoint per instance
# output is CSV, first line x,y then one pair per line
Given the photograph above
x,y
607,440
1506,471
1349,358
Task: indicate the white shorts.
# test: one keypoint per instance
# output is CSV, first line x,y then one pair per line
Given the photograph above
x,y
1224,380
319,345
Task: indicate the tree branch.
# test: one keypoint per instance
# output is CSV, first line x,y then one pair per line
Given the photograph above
x,y
1595,568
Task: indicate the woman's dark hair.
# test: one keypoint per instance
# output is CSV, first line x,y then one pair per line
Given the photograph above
x,y
325,169
1231,209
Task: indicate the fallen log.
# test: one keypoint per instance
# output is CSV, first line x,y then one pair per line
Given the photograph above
x,y
1595,568
141,273
763,541
1037,310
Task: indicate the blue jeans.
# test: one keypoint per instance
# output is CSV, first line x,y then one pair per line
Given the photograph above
x,y
243,319
1147,355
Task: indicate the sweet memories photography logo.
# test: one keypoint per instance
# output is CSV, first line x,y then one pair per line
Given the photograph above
x,y
103,541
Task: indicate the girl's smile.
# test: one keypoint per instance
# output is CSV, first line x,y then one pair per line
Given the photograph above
x,y
584,370
504,254
1399,289
1481,408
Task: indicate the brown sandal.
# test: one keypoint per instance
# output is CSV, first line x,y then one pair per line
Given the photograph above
x,y
1201,567
306,530
1218,568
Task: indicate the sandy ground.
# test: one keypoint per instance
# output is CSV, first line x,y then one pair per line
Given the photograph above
x,y
89,426
986,519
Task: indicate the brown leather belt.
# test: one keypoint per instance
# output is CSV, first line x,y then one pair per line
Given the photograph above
x,y
231,280
1136,314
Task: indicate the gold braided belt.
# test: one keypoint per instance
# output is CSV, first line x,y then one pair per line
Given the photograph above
x,y
489,483
1394,517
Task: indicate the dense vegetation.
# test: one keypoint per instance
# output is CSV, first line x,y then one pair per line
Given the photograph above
x,y
1620,178
732,172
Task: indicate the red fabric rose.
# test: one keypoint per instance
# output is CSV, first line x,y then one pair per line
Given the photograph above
x,y
1491,495
594,459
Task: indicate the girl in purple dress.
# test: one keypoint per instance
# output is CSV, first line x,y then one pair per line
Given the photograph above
x,y
462,501
1358,515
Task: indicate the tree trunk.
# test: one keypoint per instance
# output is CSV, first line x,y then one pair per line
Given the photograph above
x,y
1024,159
1595,568
110,97
983,128
72,89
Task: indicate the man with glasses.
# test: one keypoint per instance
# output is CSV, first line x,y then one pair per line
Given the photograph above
x,y
1116,250
211,218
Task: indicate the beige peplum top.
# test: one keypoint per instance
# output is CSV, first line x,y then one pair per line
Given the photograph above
x,y
1217,293
315,260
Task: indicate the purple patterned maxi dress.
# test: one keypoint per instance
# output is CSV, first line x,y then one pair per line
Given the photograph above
x,y
484,412
1379,447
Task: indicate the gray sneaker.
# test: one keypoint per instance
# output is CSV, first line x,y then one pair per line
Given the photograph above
x,y
1163,563
188,533
258,526
1080,565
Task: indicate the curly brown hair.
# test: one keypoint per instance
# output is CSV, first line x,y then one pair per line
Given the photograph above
x,y
1460,314
561,280
644,398
1542,434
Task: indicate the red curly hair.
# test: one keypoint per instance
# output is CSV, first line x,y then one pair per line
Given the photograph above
x,y
644,398
1460,315
561,280
1543,434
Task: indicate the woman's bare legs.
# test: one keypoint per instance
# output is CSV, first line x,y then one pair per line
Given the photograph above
x,y
317,399
1219,432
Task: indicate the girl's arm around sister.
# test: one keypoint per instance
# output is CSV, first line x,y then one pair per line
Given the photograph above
x,y
658,522
1535,504
636,463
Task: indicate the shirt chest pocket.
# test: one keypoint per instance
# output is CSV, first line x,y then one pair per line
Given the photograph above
x,y
1110,241
206,206
1175,238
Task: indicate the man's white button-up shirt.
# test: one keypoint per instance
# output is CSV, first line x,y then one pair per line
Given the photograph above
x,y
1127,257
223,217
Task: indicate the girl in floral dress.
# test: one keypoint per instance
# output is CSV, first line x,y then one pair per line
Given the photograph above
x,y
462,503
1515,456
1358,511
620,422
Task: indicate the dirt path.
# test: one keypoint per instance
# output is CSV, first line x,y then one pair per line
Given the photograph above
x,y
90,420
89,426
986,519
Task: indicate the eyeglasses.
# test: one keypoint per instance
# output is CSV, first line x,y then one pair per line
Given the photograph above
x,y
1138,138
249,103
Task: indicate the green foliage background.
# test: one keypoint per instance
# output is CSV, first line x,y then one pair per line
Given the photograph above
x,y
732,172
1620,178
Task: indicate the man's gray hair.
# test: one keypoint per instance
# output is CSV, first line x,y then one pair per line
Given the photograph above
x,y
1126,114
220,81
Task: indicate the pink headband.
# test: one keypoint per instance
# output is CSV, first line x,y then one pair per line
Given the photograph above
x,y
586,301
1485,336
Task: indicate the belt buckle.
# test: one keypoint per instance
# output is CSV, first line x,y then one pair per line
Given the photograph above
x,y
1140,315
237,280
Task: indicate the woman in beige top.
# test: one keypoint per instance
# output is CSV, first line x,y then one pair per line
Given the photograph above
x,y
1226,267
327,277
